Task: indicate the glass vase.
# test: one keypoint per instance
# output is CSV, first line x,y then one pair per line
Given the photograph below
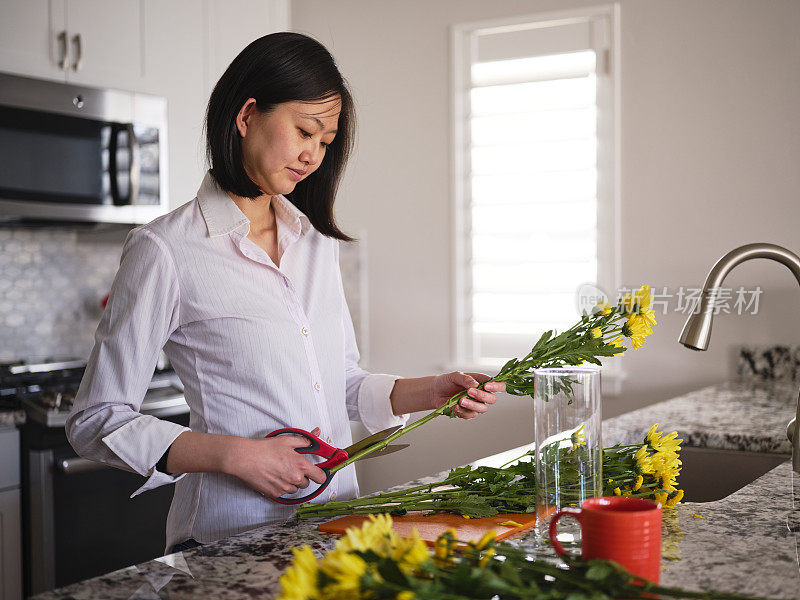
x,y
569,461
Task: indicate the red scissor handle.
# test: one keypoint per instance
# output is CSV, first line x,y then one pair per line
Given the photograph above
x,y
319,448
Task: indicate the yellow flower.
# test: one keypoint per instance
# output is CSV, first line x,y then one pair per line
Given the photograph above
x,y
661,497
637,331
487,539
443,548
405,595
487,556
638,483
602,308
644,462
618,342
410,552
674,498
299,582
578,438
375,534
344,570
596,332
617,492
667,443
627,305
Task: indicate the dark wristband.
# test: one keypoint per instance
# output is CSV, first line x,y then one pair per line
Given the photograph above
x,y
161,465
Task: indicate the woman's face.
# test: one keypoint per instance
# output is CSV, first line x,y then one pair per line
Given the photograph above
x,y
284,146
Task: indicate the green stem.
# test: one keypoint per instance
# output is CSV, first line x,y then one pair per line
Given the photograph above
x,y
382,444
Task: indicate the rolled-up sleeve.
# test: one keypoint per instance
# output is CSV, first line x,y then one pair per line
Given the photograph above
x,y
367,394
143,310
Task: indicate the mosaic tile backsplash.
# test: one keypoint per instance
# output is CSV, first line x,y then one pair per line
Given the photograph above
x,y
53,280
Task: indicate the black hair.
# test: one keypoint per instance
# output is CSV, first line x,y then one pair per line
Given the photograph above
x,y
276,68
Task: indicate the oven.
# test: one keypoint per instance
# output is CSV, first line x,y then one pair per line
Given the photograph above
x,y
78,518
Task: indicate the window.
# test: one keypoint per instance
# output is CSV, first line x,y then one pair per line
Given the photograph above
x,y
535,177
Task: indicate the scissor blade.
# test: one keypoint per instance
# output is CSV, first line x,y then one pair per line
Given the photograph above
x,y
369,441
388,450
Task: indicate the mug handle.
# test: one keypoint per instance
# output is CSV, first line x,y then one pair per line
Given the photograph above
x,y
574,512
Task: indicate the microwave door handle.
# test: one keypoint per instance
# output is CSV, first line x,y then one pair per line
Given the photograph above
x,y
133,164
113,144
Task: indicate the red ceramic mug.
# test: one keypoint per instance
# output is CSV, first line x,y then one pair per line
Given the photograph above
x,y
625,530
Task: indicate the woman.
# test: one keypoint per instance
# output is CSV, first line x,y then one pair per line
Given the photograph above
x,y
241,288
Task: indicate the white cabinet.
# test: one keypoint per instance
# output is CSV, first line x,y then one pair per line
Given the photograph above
x,y
29,38
105,42
188,44
91,42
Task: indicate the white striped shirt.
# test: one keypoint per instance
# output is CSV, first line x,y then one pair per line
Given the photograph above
x,y
257,348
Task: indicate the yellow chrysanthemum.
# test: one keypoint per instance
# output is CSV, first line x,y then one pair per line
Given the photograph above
x,y
487,539
667,443
638,483
410,552
672,500
596,332
627,305
487,556
443,548
617,492
375,534
636,331
299,581
578,438
644,462
405,595
618,342
602,308
344,571
661,497
643,300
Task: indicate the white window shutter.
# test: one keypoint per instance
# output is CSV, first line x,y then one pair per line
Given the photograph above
x,y
534,159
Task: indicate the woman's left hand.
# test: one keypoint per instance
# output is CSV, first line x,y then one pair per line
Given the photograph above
x,y
476,402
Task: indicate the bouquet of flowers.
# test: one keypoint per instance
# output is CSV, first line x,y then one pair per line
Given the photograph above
x,y
647,470
373,562
603,332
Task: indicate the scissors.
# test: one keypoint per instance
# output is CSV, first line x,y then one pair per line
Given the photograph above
x,y
334,455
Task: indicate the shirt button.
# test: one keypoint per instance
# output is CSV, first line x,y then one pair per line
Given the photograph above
x,y
333,495
317,386
328,440
304,331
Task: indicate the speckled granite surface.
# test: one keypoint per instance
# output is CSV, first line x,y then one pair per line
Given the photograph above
x,y
748,543
749,416
11,417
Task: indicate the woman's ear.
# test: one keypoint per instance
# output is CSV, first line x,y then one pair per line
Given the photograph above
x,y
244,116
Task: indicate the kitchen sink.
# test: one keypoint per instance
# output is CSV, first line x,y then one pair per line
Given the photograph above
x,y
709,474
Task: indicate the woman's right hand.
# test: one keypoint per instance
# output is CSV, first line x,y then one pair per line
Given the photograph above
x,y
271,467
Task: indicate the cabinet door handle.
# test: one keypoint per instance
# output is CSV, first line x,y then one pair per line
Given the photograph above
x,y
63,60
76,44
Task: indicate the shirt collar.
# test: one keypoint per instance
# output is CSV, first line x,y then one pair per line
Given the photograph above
x,y
223,216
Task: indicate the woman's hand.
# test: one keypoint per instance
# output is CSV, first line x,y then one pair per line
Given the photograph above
x,y
272,467
476,402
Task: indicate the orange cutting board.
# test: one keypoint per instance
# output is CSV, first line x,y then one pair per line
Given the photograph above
x,y
432,526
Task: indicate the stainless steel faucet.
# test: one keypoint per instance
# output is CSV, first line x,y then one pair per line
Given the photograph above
x,y
697,331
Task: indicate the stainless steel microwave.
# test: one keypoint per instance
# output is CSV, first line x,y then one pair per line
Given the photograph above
x,y
77,154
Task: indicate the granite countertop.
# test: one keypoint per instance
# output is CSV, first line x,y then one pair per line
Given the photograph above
x,y
747,543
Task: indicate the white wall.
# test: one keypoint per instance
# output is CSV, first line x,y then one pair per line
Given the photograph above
x,y
710,155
